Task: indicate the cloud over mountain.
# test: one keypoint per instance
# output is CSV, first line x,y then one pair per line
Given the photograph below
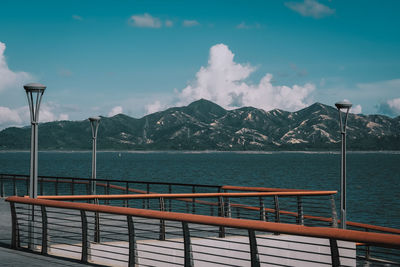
x,y
225,82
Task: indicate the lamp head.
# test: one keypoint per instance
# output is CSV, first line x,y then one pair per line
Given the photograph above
x,y
34,87
345,104
94,119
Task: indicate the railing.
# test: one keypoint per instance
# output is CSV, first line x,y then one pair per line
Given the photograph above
x,y
12,185
132,237
289,207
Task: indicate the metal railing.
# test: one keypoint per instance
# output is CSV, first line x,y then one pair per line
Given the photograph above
x,y
289,207
131,237
16,184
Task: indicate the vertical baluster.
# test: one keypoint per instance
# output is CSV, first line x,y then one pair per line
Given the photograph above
x,y
334,252
162,222
44,231
221,213
170,199
2,186
334,213
255,260
133,253
193,200
187,245
85,247
300,213
126,192
56,187
262,210
277,211
15,243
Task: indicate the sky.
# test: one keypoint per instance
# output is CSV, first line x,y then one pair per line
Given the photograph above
x,y
138,57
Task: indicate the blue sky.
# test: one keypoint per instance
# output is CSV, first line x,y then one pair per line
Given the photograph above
x,y
137,57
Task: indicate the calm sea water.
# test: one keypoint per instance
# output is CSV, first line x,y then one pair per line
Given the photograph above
x,y
373,186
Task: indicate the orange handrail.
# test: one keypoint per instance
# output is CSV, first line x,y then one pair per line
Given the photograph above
x,y
261,189
378,239
189,195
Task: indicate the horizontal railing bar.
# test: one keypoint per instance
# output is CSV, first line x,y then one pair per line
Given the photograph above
x,y
378,239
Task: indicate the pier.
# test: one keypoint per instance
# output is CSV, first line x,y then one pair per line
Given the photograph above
x,y
138,223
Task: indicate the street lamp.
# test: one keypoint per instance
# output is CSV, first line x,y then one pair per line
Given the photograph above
x,y
345,107
94,122
34,93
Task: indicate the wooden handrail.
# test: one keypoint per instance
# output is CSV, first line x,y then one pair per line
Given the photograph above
x,y
378,239
262,189
189,195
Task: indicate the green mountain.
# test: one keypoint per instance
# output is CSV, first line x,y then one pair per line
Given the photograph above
x,y
203,125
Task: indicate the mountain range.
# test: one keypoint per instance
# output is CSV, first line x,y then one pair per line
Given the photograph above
x,y
204,125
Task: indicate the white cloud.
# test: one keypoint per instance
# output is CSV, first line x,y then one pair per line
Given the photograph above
x,y
223,81
21,116
310,8
357,109
115,110
391,107
394,104
145,21
190,23
154,107
8,78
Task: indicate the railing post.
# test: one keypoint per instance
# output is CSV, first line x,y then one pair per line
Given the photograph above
x,y
170,200
2,187
228,211
187,245
96,224
72,187
15,187
334,252
85,248
107,192
56,187
262,210
300,212
334,213
277,211
41,186
133,253
221,213
148,200
255,261
126,192
367,249
193,201
162,222
44,231
15,229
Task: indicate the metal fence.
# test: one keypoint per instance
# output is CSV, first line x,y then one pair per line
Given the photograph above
x,y
131,236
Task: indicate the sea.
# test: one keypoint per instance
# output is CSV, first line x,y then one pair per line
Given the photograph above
x,y
373,178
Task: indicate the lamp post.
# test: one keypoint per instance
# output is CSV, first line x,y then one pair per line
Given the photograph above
x,y
34,93
94,122
345,107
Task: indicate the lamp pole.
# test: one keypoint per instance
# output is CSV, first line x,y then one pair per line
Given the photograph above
x,y
345,107
94,122
34,93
